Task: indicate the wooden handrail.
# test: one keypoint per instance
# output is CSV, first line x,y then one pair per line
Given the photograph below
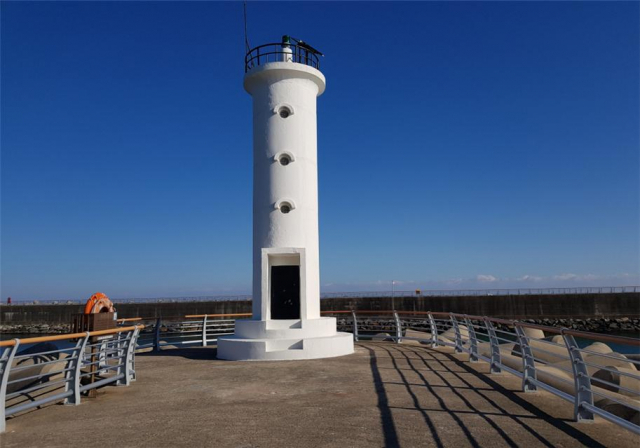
x,y
62,337
358,311
509,323
193,316
603,337
338,312
555,330
374,312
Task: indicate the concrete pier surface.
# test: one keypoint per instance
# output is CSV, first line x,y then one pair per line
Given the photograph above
x,y
383,395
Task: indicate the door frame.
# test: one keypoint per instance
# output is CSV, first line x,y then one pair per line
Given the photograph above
x,y
278,256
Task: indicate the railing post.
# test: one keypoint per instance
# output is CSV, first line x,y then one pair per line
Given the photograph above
x,y
495,366
473,341
156,338
204,331
528,361
75,368
456,329
131,359
398,328
122,344
434,331
355,326
581,380
6,361
128,357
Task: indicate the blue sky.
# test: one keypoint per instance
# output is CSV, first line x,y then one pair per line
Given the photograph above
x,y
461,145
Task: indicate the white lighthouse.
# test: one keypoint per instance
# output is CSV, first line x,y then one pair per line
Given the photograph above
x,y
284,81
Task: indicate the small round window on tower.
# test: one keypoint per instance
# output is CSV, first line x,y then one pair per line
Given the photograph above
x,y
284,112
285,207
284,159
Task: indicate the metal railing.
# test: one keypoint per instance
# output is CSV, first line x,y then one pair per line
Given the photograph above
x,y
191,330
279,52
591,377
574,365
46,373
364,294
597,380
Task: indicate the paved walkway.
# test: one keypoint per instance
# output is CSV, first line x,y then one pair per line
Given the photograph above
x,y
383,395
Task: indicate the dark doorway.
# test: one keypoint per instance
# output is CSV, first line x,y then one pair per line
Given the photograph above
x,y
285,292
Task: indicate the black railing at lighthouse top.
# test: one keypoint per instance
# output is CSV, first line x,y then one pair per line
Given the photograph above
x,y
280,53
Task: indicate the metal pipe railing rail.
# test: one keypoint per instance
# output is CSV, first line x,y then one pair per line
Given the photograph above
x,y
592,378
129,319
203,329
190,330
279,52
83,361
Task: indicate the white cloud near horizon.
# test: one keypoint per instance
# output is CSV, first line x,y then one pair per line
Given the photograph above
x,y
482,278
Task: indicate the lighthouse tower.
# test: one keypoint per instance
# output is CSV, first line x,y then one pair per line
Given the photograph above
x,y
284,81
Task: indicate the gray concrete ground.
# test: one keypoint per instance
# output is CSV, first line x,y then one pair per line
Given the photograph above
x,y
383,395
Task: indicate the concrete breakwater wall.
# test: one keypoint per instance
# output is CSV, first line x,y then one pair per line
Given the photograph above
x,y
63,314
537,307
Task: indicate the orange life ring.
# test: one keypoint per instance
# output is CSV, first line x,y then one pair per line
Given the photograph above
x,y
99,303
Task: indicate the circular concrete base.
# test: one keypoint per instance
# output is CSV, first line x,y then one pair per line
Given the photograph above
x,y
235,348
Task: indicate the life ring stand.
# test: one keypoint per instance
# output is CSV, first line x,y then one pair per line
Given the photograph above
x,y
99,303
